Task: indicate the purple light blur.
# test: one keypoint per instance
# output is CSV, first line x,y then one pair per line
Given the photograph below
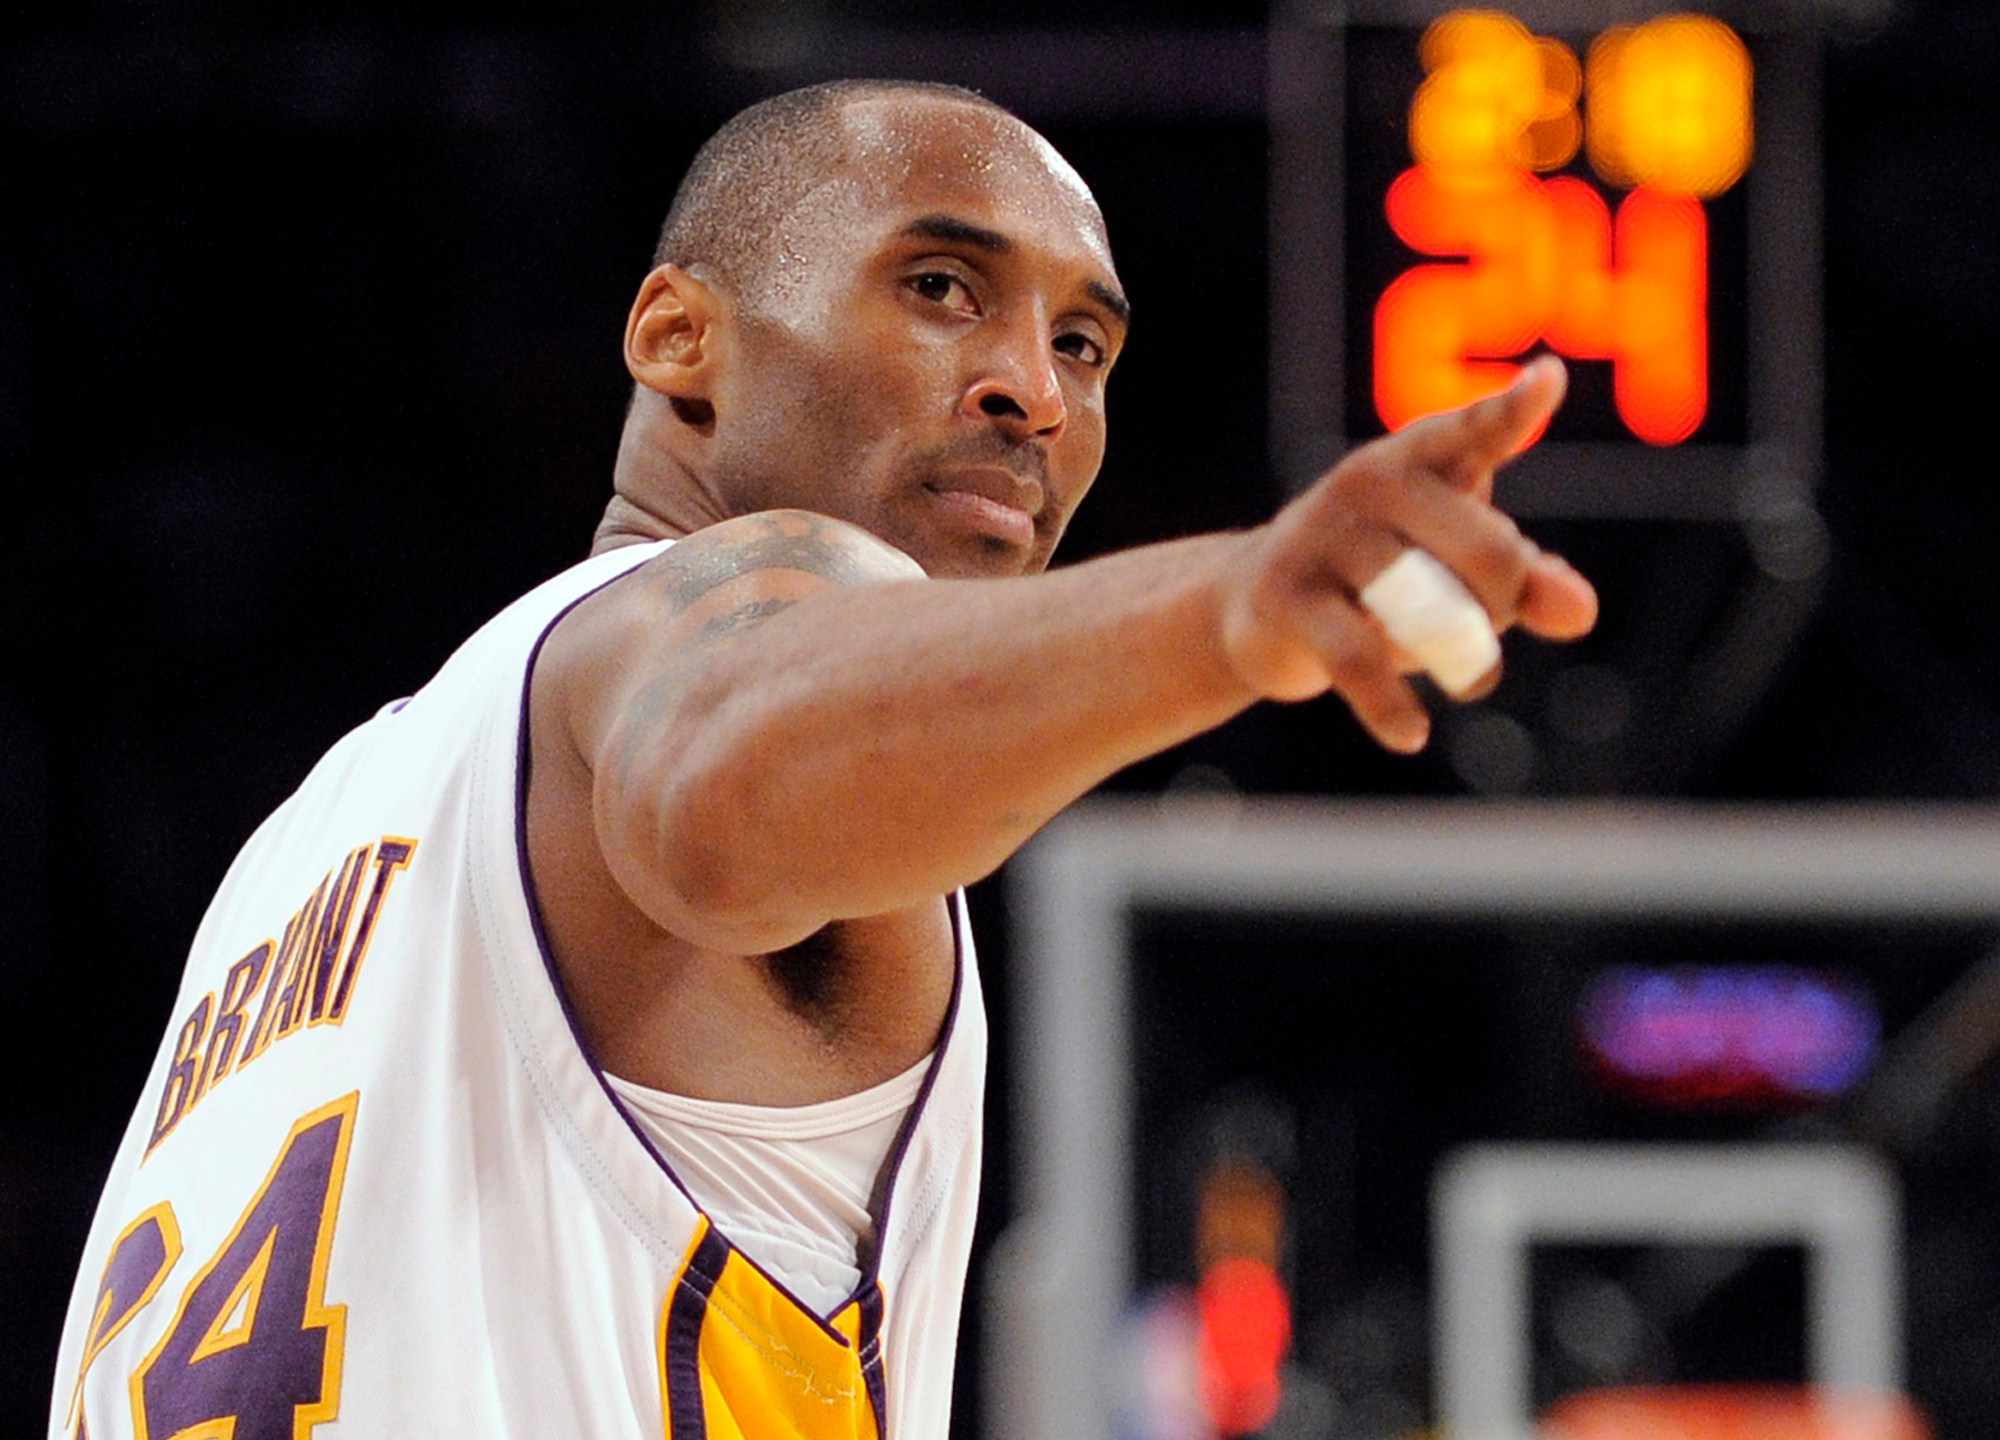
x,y
1710,1033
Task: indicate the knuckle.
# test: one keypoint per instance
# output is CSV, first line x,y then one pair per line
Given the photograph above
x,y
1269,591
1355,657
1365,486
1496,556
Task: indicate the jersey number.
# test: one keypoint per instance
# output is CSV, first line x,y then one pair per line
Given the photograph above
x,y
253,1350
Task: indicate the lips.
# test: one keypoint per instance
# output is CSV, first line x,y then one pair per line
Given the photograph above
x,y
991,499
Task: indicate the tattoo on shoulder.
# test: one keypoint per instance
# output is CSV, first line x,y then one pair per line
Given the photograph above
x,y
739,617
789,540
697,566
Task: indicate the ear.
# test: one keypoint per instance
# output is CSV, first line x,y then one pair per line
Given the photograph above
x,y
674,335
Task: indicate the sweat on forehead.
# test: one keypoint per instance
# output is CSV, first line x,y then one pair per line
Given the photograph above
x,y
893,144
785,157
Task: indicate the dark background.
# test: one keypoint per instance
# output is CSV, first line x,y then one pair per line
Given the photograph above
x,y
308,363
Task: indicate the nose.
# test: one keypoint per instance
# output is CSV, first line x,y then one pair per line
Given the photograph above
x,y
1020,389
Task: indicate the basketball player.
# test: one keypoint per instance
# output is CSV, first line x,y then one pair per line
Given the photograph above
x,y
592,1046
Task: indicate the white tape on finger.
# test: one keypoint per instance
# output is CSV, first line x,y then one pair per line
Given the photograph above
x,y
1428,611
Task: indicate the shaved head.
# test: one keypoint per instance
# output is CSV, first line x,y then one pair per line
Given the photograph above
x,y
889,302
728,215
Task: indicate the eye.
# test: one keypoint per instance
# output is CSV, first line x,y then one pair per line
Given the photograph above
x,y
941,287
1080,346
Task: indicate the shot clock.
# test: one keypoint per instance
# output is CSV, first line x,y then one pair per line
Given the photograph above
x,y
1455,191
1533,260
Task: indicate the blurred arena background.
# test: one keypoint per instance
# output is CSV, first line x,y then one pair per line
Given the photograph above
x,y
308,328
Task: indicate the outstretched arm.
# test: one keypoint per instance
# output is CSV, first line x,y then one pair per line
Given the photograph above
x,y
784,724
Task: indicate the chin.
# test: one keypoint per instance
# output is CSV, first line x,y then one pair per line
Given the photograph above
x,y
964,557
988,562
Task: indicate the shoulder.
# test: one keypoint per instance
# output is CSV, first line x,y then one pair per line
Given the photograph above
x,y
799,542
708,586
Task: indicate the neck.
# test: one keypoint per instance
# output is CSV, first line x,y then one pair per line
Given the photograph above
x,y
658,495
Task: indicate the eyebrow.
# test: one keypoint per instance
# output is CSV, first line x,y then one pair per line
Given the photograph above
x,y
953,230
962,232
1110,299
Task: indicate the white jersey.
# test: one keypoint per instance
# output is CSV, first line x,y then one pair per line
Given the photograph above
x,y
378,1188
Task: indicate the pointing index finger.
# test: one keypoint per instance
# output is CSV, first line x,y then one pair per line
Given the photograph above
x,y
1464,446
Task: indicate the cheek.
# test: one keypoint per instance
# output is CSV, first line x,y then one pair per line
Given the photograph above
x,y
802,411
865,386
1085,447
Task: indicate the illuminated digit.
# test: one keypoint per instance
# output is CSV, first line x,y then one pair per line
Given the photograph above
x,y
1660,377
1669,105
1434,324
1645,310
253,1351
140,1258
1494,95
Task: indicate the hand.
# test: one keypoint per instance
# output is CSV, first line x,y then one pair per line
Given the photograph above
x,y
1292,623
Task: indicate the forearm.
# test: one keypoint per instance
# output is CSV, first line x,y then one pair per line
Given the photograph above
x,y
874,745
802,733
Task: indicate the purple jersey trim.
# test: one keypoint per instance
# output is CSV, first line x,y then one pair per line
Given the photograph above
x,y
892,1167
685,1312
867,1292
522,755
871,1356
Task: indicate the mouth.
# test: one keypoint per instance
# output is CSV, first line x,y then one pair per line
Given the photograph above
x,y
991,500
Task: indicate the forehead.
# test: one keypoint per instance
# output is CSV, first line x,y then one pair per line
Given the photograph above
x,y
908,156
